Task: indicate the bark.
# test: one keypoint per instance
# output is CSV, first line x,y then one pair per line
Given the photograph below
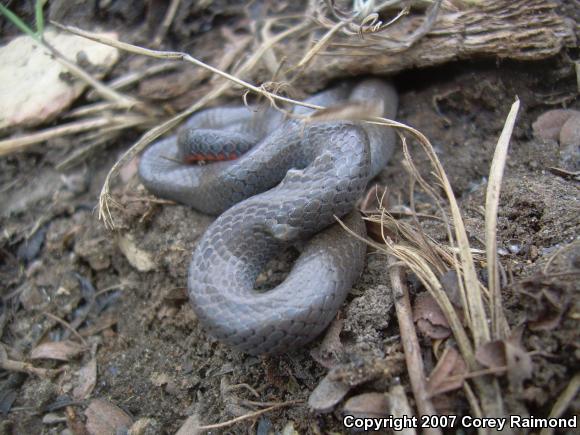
x,y
523,30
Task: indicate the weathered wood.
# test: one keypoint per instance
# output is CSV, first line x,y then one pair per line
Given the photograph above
x,y
504,29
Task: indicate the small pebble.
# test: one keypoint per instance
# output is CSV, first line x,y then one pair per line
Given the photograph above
x,y
502,251
570,132
548,125
514,246
562,125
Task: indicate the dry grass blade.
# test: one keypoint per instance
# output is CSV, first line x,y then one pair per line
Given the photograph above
x,y
323,42
177,55
563,401
414,259
364,22
92,109
499,325
412,252
134,77
66,325
351,111
478,320
166,23
88,148
23,367
17,144
453,250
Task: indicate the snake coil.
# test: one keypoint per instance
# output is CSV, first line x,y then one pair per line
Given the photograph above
x,y
287,188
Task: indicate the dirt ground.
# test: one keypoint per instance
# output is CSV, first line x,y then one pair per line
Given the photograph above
x,y
153,361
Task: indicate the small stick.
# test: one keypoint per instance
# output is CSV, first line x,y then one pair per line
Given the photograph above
x,y
135,77
166,23
19,366
66,325
410,342
247,416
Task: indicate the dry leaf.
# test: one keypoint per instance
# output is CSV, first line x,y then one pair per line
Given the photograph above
x,y
74,421
450,284
7,398
329,352
138,258
190,426
448,374
429,318
58,350
549,124
159,379
507,354
546,301
570,133
87,379
289,429
551,308
400,407
327,394
492,354
104,321
53,418
368,405
143,426
104,418
519,362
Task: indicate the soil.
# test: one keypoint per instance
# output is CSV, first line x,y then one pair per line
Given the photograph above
x,y
153,359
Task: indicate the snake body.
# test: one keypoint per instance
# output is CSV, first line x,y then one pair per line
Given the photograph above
x,y
287,188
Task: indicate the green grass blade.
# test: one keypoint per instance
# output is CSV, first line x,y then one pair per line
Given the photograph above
x,y
39,17
15,19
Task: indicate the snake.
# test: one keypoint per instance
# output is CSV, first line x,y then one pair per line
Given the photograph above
x,y
274,181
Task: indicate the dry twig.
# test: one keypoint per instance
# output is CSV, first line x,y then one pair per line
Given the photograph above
x,y
19,366
166,23
410,342
248,416
66,325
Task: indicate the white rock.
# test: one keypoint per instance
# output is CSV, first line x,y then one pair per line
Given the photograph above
x,y
32,90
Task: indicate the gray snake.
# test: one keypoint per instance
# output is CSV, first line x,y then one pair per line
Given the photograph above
x,y
287,188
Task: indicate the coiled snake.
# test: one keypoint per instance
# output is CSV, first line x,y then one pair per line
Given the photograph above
x,y
288,187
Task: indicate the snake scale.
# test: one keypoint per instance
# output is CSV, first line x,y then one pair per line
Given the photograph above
x,y
288,187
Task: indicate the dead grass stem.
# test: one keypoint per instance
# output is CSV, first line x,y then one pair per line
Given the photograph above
x,y
499,325
428,259
9,146
564,400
